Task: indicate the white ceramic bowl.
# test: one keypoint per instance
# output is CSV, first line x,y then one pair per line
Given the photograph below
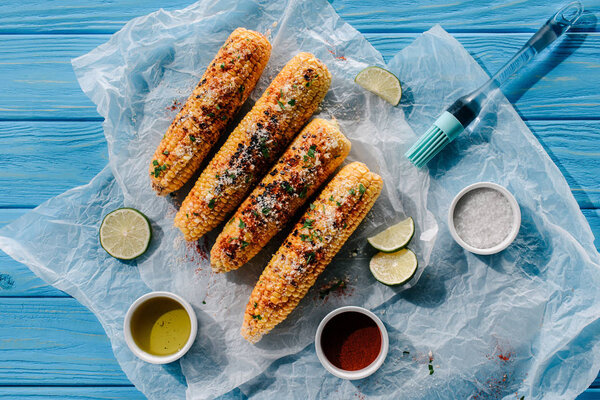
x,y
516,223
361,373
151,358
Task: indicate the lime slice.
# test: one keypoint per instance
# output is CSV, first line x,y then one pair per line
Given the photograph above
x,y
395,237
381,82
125,233
394,268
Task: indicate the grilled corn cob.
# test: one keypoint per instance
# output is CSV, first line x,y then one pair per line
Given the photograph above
x,y
224,87
254,145
314,241
315,153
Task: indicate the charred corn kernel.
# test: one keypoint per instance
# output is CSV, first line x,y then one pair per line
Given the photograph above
x,y
224,87
315,153
254,145
293,270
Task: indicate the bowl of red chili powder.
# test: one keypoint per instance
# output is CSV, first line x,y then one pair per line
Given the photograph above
x,y
351,342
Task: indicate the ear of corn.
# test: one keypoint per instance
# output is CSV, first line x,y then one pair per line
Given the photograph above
x,y
224,87
315,153
259,139
293,270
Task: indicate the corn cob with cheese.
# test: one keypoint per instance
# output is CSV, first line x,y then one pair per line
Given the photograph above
x,y
224,87
315,153
311,245
254,145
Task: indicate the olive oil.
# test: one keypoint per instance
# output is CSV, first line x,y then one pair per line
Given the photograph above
x,y
160,326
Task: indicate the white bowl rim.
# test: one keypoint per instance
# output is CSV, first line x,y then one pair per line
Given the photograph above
x,y
151,358
361,373
514,205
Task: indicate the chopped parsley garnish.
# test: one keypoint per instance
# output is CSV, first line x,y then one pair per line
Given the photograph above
x,y
312,206
287,187
223,117
192,138
361,188
345,225
166,152
352,192
255,304
339,284
308,84
242,88
263,148
302,194
292,102
308,223
255,213
338,203
244,243
430,369
304,237
154,162
281,104
211,204
218,107
266,210
309,257
331,198
196,214
222,66
242,224
210,114
311,151
258,317
217,176
203,302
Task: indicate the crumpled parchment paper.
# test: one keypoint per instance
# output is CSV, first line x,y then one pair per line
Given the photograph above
x,y
520,321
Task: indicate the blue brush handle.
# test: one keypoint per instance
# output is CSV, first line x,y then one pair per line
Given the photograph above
x,y
468,107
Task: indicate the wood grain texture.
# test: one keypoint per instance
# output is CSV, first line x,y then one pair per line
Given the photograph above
x,y
46,159
75,348
70,393
108,16
43,340
39,82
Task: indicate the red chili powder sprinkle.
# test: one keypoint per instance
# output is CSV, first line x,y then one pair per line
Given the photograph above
x,y
351,341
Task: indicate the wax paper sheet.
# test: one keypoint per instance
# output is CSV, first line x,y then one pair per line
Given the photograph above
x,y
523,321
138,80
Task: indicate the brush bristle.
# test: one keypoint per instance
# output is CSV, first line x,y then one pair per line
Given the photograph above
x,y
428,145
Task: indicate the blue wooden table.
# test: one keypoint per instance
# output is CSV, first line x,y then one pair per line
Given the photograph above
x,y
51,140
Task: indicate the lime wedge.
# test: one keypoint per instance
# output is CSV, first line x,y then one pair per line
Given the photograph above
x,y
395,237
381,82
394,268
125,233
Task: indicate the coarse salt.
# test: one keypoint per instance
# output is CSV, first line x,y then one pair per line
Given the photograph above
x,y
483,218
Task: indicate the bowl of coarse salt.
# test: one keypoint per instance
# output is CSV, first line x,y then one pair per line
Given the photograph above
x,y
484,218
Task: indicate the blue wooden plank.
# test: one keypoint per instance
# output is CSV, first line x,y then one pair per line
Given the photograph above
x,y
39,82
70,393
106,16
590,394
47,158
53,342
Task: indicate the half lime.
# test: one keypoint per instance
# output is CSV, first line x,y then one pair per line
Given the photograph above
x,y
395,237
125,233
381,82
394,268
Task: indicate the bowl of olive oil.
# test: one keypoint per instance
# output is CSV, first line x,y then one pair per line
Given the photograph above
x,y
160,327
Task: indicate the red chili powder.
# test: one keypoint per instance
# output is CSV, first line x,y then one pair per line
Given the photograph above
x,y
351,341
